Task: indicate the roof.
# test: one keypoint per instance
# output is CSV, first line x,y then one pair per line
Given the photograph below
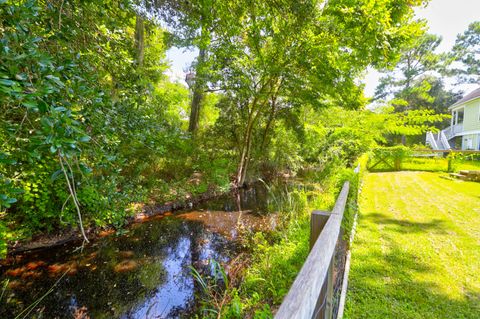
x,y
470,96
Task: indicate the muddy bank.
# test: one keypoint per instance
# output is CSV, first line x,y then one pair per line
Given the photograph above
x,y
65,236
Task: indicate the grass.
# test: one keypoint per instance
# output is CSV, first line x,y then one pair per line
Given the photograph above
x,y
276,264
277,257
417,249
438,164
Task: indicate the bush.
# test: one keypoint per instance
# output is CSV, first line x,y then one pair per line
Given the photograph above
x,y
390,157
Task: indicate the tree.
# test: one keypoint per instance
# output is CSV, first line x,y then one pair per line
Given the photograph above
x,y
411,122
427,93
466,54
417,59
269,56
190,24
71,97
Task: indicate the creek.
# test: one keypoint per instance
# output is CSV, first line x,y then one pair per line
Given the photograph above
x,y
144,272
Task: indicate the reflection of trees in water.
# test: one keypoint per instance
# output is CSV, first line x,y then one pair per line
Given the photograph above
x,y
251,199
126,280
117,275
120,276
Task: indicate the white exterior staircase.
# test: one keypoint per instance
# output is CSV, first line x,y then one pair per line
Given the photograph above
x,y
438,141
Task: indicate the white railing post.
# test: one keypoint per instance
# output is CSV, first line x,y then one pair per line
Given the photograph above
x,y
444,141
430,139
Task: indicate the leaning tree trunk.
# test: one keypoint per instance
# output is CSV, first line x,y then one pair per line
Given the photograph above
x,y
255,112
195,110
139,40
244,157
198,91
246,146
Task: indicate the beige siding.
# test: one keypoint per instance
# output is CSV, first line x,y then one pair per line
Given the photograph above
x,y
471,121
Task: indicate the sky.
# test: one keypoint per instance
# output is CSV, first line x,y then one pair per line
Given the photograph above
x,y
446,18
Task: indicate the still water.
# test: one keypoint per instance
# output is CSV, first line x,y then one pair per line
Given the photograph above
x,y
143,273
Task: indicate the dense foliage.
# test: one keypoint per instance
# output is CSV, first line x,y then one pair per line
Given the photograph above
x,y
90,125
83,124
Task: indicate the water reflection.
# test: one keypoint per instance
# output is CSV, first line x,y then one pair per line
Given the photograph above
x,y
141,274
231,224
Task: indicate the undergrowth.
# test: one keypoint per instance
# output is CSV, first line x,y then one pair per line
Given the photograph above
x,y
277,257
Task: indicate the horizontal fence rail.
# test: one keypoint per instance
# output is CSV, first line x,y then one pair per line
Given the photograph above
x,y
447,151
311,294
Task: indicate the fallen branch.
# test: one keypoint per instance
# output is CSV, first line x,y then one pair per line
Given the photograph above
x,y
74,196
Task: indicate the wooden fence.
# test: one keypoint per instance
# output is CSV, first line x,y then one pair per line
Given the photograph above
x,y
311,294
464,152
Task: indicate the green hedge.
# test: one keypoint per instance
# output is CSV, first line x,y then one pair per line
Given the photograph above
x,y
388,158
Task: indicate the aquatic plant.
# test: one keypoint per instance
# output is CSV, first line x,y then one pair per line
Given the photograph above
x,y
214,289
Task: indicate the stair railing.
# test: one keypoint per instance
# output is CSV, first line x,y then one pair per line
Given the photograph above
x,y
444,140
430,140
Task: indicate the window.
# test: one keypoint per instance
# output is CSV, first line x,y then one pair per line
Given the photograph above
x,y
460,116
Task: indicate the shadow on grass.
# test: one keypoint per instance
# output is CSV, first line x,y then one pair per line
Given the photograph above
x,y
387,281
408,169
437,165
436,226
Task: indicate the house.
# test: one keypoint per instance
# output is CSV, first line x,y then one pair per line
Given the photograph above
x,y
464,130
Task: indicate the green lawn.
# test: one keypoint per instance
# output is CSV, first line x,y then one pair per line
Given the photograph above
x,y
437,164
416,253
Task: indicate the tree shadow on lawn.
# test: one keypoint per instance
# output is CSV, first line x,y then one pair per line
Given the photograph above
x,y
389,289
390,282
435,226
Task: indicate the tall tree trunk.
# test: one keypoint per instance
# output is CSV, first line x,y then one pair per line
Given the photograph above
x,y
198,92
247,144
139,40
244,154
270,120
245,157
247,140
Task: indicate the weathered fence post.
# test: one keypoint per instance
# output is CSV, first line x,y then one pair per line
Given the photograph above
x,y
318,219
311,294
329,297
323,308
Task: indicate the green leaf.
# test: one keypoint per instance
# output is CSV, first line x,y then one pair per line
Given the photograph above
x,y
6,82
42,106
85,169
30,105
84,138
46,121
21,77
56,175
56,80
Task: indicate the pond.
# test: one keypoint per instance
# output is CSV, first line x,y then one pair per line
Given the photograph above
x,y
143,273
